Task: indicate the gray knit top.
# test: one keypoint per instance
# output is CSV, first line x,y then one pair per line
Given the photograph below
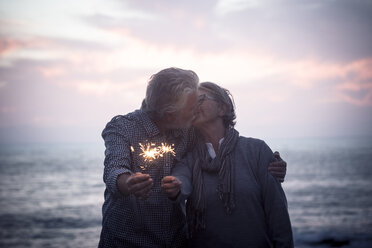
x,y
260,217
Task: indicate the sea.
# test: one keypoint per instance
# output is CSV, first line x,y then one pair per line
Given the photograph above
x,y
51,194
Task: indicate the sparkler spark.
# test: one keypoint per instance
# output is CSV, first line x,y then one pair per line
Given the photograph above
x,y
151,152
167,149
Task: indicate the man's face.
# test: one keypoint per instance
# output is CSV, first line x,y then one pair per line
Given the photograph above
x,y
186,115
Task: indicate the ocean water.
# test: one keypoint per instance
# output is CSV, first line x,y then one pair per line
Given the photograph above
x,y
329,190
51,195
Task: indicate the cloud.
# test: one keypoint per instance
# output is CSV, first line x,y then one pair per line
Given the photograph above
x,y
50,72
347,79
356,87
6,109
2,84
100,72
332,30
8,45
279,79
11,47
172,24
299,57
108,88
361,97
224,7
58,93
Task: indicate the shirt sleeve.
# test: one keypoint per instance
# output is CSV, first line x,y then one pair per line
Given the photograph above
x,y
274,201
117,156
183,172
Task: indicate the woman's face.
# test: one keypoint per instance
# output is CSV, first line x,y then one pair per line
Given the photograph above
x,y
208,109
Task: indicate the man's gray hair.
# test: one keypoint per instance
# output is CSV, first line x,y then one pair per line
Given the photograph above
x,y
167,91
223,96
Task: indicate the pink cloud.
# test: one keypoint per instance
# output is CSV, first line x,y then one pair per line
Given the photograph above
x,y
52,46
350,82
7,109
355,86
356,93
50,72
8,45
315,70
361,68
358,90
364,101
86,71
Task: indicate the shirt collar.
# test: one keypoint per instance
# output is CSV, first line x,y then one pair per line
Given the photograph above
x,y
176,133
149,126
211,151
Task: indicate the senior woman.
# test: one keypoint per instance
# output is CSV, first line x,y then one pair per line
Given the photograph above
x,y
232,200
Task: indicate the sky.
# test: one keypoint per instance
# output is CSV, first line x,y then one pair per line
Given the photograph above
x,y
295,68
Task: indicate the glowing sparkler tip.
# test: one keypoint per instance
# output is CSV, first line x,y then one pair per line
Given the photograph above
x,y
151,152
167,149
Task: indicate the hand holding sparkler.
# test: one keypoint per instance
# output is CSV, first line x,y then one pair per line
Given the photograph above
x,y
171,186
137,184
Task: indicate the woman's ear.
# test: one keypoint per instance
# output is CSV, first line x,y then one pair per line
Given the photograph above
x,y
222,109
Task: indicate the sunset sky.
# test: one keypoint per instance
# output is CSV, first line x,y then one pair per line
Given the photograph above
x,y
296,68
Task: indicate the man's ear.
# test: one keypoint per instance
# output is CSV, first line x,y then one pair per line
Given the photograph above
x,y
169,117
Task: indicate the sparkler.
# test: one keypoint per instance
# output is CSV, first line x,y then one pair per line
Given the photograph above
x,y
167,149
151,152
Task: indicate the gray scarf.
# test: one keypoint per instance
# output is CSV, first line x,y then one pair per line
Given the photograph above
x,y
221,164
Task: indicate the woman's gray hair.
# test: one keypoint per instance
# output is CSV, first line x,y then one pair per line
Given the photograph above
x,y
222,96
167,91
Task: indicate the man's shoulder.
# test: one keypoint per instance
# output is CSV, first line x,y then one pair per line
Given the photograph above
x,y
127,119
123,123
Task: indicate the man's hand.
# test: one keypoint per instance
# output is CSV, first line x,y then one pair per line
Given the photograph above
x,y
279,168
171,186
137,184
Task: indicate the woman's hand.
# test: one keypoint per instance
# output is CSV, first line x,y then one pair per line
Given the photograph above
x,y
171,186
278,168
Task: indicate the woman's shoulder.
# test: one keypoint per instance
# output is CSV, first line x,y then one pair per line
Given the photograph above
x,y
250,141
254,146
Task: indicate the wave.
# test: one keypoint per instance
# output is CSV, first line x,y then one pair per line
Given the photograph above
x,y
40,221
